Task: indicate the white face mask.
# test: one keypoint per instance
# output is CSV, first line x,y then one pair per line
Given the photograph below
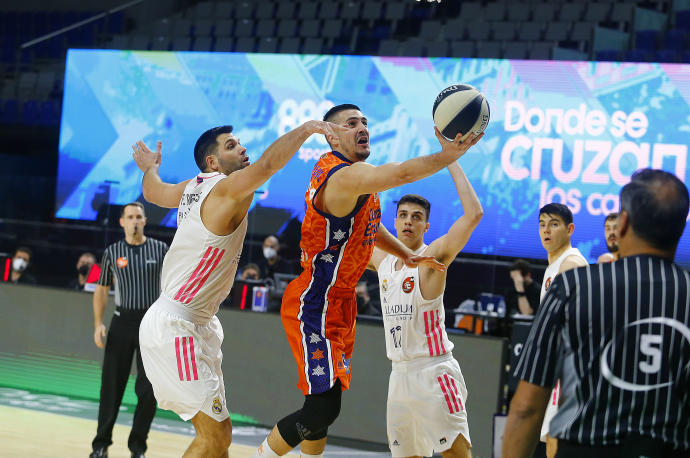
x,y
270,252
19,264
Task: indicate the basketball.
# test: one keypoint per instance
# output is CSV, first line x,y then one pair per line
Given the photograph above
x,y
460,108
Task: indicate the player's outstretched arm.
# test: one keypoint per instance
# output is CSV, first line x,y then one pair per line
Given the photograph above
x,y
387,243
155,190
447,247
362,178
243,183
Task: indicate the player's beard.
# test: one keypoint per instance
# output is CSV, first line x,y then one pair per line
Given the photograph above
x,y
612,248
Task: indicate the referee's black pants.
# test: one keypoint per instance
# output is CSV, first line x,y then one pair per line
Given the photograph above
x,y
120,346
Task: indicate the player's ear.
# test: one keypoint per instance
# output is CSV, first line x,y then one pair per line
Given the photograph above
x,y
571,228
427,227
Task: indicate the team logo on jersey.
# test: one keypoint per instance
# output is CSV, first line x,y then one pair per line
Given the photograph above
x,y
384,285
121,262
547,285
442,441
408,285
217,407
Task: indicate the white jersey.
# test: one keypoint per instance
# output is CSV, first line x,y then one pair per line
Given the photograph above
x,y
199,268
414,326
553,269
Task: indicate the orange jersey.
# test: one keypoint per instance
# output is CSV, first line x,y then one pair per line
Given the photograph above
x,y
319,307
337,250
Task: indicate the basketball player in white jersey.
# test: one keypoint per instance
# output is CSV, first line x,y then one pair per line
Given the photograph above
x,y
180,336
426,409
555,230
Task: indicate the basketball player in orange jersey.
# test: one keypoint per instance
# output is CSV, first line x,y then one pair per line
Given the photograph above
x,y
426,408
340,227
180,335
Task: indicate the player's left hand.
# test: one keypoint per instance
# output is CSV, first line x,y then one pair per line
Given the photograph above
x,y
427,261
144,157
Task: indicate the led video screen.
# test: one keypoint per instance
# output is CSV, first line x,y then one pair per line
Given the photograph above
x,y
570,132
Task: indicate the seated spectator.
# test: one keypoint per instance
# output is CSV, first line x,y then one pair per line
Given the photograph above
x,y
272,262
21,260
365,306
523,296
250,272
84,264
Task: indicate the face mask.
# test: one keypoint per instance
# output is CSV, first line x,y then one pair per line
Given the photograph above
x,y
19,264
270,253
84,270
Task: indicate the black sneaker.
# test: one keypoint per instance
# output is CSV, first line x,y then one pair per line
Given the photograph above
x,y
99,453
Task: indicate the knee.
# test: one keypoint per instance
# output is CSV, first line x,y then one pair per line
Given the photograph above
x,y
218,440
320,411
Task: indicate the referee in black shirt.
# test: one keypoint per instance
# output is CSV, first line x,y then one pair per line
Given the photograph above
x,y
618,336
134,265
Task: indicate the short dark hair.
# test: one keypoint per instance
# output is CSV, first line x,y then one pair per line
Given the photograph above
x,y
206,144
253,266
132,204
25,249
657,206
611,216
337,109
415,199
558,209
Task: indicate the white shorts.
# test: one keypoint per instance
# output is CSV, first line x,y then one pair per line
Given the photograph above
x,y
183,361
426,406
551,410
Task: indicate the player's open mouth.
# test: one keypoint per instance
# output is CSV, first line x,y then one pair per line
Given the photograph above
x,y
363,140
407,231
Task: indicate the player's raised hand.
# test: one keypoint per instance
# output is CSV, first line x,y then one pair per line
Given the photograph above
x,y
330,130
457,147
427,261
144,157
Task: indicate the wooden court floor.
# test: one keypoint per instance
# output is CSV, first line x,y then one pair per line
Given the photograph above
x,y
30,433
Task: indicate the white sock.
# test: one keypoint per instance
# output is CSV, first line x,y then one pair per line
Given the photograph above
x,y
305,455
265,451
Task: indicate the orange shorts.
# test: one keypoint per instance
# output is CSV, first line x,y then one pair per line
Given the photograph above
x,y
320,328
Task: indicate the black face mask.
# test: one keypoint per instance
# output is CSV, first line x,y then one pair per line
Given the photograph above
x,y
84,270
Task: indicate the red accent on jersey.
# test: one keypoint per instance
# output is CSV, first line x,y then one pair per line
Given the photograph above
x,y
440,332
428,336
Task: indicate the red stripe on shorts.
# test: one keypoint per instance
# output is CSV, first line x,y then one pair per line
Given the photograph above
x,y
177,352
186,361
191,350
445,393
457,394
455,402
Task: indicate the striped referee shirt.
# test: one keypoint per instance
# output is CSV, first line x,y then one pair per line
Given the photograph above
x,y
136,270
618,336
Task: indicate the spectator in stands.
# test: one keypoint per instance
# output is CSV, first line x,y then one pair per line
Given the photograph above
x,y
272,262
365,306
611,238
523,296
250,272
84,264
21,260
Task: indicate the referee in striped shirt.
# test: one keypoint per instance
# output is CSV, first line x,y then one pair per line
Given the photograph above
x,y
618,336
134,266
